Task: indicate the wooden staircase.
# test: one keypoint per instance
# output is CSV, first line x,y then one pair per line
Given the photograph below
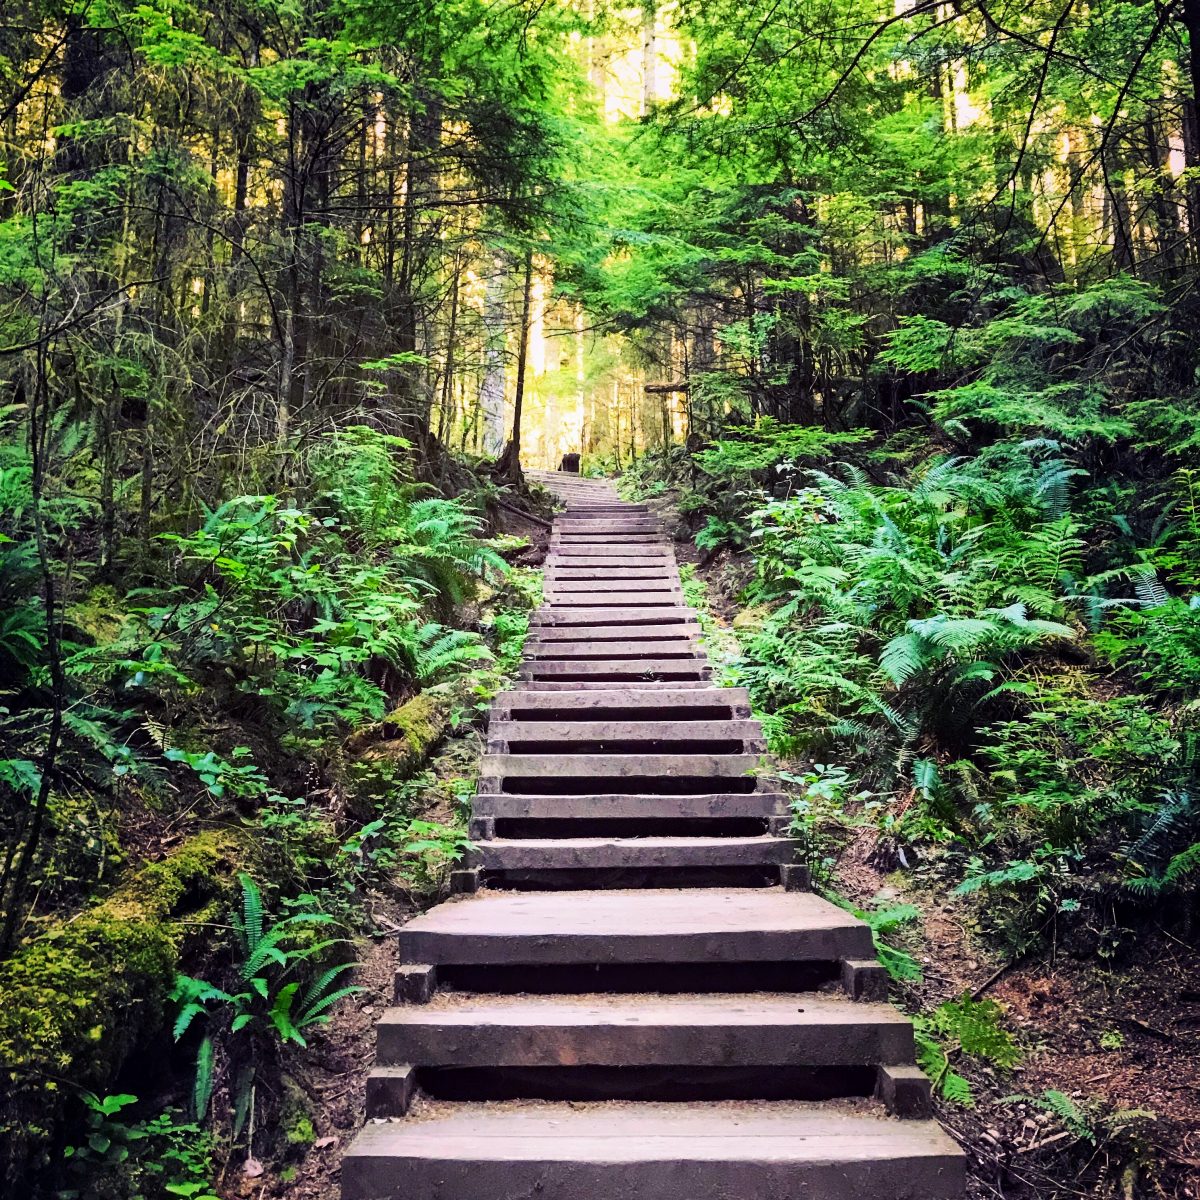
x,y
636,997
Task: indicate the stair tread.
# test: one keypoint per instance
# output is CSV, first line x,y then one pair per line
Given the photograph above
x,y
617,1131
730,728
606,614
719,766
616,695
660,842
632,804
718,1009
636,925
644,853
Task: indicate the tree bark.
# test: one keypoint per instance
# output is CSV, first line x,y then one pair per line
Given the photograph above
x,y
509,465
495,329
1191,122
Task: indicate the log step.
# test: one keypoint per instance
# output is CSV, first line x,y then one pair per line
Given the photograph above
x,y
613,633
635,1151
615,556
608,614
617,669
562,649
670,854
659,586
623,699
760,1029
621,598
560,737
620,766
645,926
631,806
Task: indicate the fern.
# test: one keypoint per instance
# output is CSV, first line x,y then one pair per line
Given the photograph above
x,y
1150,591
1069,1114
933,1059
1061,1107
437,652
202,1087
899,964
1165,858
968,1027
975,1026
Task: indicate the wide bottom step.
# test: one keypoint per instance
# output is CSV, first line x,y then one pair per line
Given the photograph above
x,y
648,1151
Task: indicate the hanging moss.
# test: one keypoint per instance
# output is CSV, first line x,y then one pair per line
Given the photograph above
x,y
85,995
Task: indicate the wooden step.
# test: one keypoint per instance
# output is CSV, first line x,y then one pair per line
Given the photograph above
x,y
616,574
608,614
596,550
637,1151
637,634
616,537
615,592
622,806
639,571
801,1029
648,926
660,854
617,670
603,526
563,735
564,650
620,766
587,684
616,599
622,697
546,700
662,586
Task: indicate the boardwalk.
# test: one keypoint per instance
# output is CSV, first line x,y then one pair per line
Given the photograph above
x,y
637,998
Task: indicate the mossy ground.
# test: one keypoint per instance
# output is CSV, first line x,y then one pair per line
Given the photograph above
x,y
91,990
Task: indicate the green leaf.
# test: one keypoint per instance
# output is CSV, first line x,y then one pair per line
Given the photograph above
x,y
202,1088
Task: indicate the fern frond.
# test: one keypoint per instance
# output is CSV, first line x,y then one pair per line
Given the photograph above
x,y
903,657
1149,590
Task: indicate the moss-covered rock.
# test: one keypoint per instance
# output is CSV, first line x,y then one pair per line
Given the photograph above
x,y
295,1117
81,998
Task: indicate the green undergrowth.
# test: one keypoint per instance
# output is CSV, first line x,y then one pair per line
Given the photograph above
x,y
997,675
249,712
952,665
93,989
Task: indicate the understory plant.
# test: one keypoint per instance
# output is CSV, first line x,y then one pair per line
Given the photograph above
x,y
118,1156
938,634
285,983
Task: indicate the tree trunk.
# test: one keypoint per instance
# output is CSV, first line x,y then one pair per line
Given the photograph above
x,y
1191,122
1166,213
495,330
445,415
649,58
509,464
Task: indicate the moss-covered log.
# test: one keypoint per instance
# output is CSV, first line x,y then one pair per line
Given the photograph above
x,y
410,733
80,999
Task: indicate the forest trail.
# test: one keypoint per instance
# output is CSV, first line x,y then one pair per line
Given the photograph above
x,y
640,999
